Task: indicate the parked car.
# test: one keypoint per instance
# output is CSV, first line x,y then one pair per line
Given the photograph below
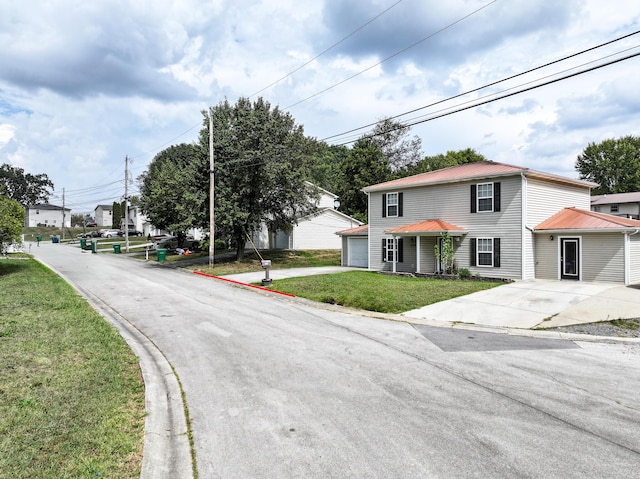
x,y
171,243
110,233
131,232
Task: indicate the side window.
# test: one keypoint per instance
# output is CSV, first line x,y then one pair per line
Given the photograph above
x,y
392,247
614,208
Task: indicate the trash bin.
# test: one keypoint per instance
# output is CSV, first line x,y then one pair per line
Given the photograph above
x,y
38,238
94,246
83,243
54,239
162,254
116,248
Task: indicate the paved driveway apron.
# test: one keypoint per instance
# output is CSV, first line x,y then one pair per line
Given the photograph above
x,y
278,388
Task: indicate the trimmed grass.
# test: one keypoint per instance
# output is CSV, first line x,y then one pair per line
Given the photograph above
x,y
71,392
280,259
378,292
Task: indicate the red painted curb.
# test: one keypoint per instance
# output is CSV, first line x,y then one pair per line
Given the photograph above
x,y
233,281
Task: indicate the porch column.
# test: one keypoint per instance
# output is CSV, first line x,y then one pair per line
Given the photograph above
x,y
417,254
395,253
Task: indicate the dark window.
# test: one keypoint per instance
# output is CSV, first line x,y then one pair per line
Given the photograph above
x,y
485,197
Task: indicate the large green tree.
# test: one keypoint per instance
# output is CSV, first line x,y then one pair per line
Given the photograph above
x,y
614,164
12,216
398,148
25,188
262,161
171,191
325,167
449,159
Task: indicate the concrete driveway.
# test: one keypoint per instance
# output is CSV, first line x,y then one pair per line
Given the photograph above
x,y
544,303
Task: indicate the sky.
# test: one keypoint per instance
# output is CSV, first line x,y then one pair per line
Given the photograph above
x,y
85,84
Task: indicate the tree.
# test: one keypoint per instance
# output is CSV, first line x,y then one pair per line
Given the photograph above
x,y
613,164
366,165
437,162
12,216
172,193
391,137
262,160
117,214
26,189
325,168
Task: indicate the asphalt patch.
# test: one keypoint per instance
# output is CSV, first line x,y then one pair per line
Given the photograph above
x,y
461,340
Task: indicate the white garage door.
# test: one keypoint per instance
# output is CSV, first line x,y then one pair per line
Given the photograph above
x,y
358,249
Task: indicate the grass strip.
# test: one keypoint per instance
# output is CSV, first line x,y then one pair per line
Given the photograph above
x,y
71,391
372,291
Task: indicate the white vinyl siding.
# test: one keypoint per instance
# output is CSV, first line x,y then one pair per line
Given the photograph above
x,y
603,257
544,199
634,258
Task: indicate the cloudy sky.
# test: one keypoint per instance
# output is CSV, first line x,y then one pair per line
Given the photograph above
x,y
84,84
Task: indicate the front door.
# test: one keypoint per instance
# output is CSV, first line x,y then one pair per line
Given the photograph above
x,y
570,258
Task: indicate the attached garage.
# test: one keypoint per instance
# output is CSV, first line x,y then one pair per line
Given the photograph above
x,y
355,246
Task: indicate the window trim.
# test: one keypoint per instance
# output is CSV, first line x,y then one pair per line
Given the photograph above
x,y
479,252
391,205
491,197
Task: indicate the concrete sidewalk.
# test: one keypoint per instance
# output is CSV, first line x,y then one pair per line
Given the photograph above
x,y
257,276
543,303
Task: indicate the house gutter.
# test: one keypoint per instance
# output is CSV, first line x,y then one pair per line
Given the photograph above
x,y
627,255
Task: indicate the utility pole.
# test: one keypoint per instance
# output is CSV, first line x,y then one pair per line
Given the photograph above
x,y
212,230
126,204
63,213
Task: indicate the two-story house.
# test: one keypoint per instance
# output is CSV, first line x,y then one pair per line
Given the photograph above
x,y
504,221
618,204
47,215
103,215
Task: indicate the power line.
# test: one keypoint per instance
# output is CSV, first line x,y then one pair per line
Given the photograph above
x,y
490,84
392,56
327,49
507,95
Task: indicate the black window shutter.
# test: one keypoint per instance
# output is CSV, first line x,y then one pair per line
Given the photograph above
x,y
384,249
400,204
496,252
496,196
384,205
400,248
473,198
472,250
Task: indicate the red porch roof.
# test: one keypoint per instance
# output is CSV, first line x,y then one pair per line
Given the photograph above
x,y
577,219
362,230
434,226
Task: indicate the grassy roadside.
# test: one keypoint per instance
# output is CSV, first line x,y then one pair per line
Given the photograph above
x,y
378,292
71,392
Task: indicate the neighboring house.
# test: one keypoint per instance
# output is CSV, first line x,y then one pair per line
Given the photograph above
x,y
504,221
103,214
47,215
626,205
317,231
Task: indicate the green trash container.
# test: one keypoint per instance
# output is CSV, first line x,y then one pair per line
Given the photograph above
x,y
83,243
116,248
94,246
162,254
38,238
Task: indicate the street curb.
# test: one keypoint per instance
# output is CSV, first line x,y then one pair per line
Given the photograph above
x,y
167,450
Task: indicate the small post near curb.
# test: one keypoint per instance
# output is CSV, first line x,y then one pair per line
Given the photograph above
x,y
266,264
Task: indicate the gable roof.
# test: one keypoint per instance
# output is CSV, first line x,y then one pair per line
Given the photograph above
x,y
46,206
434,226
577,219
472,171
361,230
633,197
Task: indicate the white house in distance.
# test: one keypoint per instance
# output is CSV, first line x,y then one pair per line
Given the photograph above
x,y
317,231
103,215
47,215
626,205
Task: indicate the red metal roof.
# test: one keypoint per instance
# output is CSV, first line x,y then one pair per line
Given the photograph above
x,y
577,219
427,226
359,230
469,171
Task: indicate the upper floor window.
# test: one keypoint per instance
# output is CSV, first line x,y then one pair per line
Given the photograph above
x,y
614,208
485,197
391,204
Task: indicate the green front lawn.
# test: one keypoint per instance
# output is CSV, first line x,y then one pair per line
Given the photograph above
x,y
372,291
71,392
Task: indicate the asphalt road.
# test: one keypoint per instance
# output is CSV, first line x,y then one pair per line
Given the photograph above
x,y
277,388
